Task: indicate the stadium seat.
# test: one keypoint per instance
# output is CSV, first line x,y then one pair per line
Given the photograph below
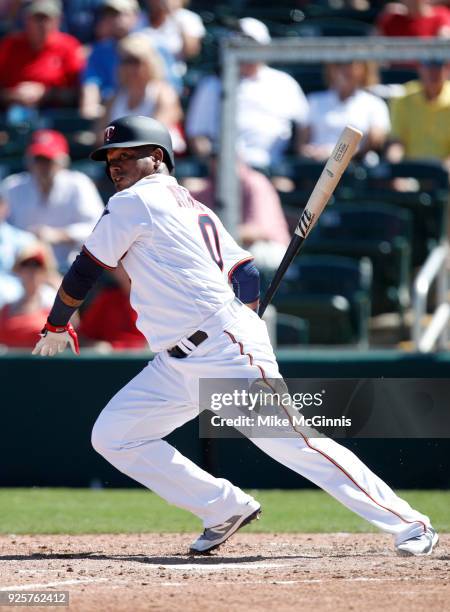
x,y
427,200
191,167
66,120
80,150
378,231
13,140
332,294
393,75
11,165
5,28
80,132
304,173
219,8
209,56
291,331
326,10
308,76
329,317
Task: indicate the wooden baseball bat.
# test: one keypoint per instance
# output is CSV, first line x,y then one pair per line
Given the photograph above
x,y
328,180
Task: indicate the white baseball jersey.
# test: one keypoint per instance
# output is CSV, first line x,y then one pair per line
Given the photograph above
x,y
178,255
176,252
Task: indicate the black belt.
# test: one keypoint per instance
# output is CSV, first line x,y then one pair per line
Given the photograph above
x,y
197,338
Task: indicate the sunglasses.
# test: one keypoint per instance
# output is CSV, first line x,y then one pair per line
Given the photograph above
x,y
40,159
130,60
31,263
41,16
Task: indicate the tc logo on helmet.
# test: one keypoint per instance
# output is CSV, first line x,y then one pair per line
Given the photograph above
x,y
109,131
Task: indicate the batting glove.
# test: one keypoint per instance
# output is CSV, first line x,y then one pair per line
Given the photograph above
x,y
54,340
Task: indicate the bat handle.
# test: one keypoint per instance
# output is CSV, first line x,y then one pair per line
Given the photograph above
x,y
292,250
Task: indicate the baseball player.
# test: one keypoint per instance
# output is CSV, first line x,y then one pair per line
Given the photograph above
x,y
196,294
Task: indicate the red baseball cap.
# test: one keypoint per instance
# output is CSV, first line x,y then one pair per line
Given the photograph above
x,y
48,143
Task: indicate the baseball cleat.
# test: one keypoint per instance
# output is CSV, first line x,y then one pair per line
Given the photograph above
x,y
213,537
419,546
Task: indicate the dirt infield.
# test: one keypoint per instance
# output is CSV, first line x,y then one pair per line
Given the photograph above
x,y
252,572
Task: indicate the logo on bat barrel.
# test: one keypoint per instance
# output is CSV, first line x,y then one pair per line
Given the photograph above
x,y
305,223
339,151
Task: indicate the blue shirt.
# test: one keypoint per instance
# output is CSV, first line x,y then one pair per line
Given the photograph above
x,y
101,67
79,18
103,63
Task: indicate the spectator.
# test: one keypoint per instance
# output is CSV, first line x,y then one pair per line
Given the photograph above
x,y
79,19
40,66
344,102
268,102
143,89
263,229
58,205
176,29
109,321
12,242
118,18
414,18
421,117
20,319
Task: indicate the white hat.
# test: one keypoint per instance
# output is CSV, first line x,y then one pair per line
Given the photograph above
x,y
255,29
121,6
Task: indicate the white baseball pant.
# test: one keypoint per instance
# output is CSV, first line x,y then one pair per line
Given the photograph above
x,y
164,396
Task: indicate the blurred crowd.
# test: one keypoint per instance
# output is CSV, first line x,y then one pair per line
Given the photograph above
x,y
98,60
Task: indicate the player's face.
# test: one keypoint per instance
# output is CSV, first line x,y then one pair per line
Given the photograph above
x,y
128,166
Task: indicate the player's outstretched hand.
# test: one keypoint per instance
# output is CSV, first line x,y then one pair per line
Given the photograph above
x,y
54,340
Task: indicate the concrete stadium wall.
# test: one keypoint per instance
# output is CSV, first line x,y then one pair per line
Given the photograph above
x,y
49,406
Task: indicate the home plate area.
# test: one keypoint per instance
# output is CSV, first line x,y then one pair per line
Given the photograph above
x,y
251,572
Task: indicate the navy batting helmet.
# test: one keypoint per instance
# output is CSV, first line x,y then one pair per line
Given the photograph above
x,y
136,131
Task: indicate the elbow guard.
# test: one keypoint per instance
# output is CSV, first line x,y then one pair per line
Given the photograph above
x,y
245,281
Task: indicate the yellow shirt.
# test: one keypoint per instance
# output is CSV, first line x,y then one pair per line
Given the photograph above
x,y
423,127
